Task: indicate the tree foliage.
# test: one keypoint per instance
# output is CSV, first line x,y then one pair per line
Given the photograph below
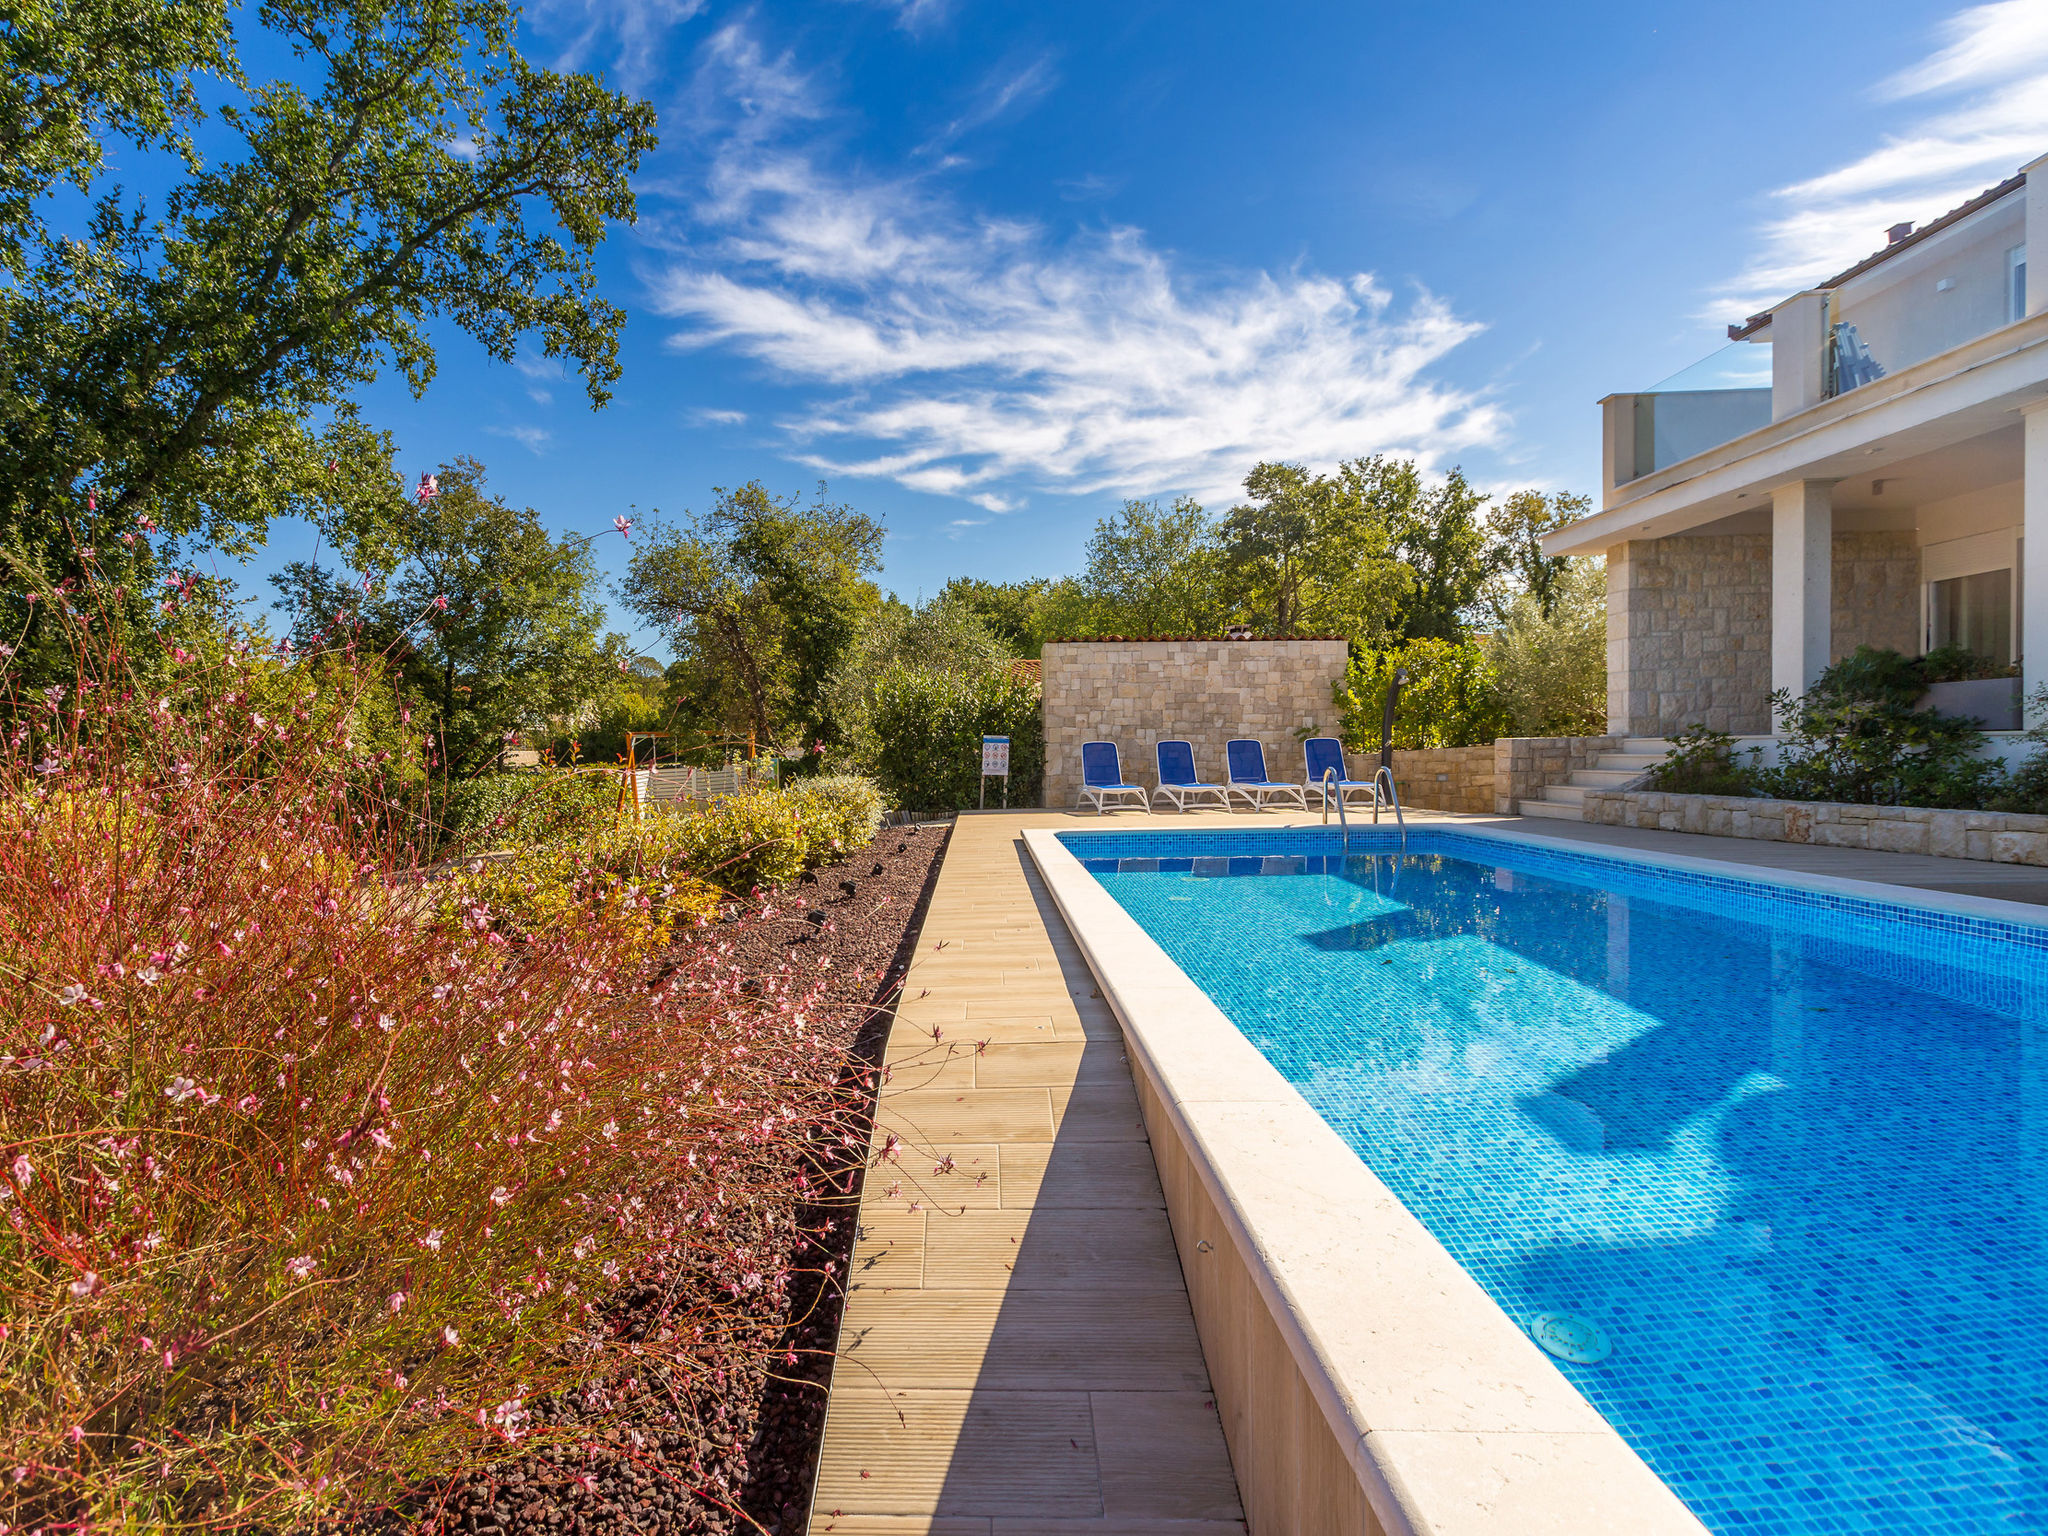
x,y
169,368
763,599
489,618
1550,662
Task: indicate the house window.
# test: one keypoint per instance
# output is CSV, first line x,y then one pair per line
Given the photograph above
x,y
1973,611
2016,283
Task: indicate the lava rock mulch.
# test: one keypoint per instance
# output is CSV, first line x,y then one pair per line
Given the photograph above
x,y
851,928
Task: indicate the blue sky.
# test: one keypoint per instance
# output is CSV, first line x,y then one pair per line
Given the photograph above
x,y
989,269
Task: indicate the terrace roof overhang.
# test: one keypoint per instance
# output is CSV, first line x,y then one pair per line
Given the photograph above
x,y
1967,392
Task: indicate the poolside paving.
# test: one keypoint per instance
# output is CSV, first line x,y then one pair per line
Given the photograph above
x,y
1018,1355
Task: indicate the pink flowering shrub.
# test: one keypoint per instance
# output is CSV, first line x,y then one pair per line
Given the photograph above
x,y
311,1194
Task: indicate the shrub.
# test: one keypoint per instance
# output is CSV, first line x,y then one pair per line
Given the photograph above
x,y
838,813
1702,762
1855,738
310,1199
1449,700
500,810
925,747
608,881
1550,672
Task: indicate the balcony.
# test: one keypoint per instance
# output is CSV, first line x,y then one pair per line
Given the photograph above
x,y
1715,400
1948,296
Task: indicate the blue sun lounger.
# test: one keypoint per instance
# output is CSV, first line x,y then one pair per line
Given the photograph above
x,y
1324,753
1102,777
1246,760
1177,780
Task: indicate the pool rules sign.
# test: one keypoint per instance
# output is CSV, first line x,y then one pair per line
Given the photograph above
x,y
995,764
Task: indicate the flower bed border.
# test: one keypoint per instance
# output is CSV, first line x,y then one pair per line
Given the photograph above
x,y
1994,837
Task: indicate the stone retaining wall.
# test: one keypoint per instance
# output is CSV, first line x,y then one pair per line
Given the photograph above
x,y
1441,778
1995,836
1523,765
1138,692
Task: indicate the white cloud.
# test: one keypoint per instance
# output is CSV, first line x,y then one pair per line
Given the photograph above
x,y
982,358
713,418
628,38
534,439
1984,114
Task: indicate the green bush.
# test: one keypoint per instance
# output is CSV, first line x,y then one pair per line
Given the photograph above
x,y
924,745
1550,670
1855,738
1702,762
500,810
838,812
1449,700
769,837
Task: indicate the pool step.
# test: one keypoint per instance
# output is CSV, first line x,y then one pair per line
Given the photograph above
x,y
1611,770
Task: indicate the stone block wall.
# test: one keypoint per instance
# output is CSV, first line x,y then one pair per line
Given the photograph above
x,y
1876,599
1523,765
1995,836
1138,692
1689,624
1689,634
1442,778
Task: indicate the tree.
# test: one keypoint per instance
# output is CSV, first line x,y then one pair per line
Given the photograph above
x,y
489,618
763,599
1309,553
1015,612
1515,531
75,73
166,370
1550,664
1152,570
1437,533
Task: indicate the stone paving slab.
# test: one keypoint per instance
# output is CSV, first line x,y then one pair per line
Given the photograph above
x,y
1018,1357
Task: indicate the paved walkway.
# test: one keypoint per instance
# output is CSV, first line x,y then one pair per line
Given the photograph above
x,y
1018,1356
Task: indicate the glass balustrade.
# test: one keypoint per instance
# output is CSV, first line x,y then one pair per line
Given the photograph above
x,y
1713,401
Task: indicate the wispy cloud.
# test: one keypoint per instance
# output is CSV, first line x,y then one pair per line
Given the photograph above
x,y
1012,86
966,355
1981,105
717,418
915,16
627,38
533,439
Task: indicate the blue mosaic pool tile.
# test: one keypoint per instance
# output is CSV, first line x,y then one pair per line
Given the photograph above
x,y
1787,1148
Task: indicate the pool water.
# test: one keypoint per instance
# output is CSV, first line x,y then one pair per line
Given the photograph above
x,y
1788,1151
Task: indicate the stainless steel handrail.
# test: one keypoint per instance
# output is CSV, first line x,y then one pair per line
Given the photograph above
x,y
1331,792
1393,797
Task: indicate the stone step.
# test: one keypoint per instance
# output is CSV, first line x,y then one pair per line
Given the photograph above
x,y
1634,762
1603,777
1573,795
1656,744
1552,811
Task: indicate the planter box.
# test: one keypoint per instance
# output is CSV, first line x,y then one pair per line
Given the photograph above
x,y
1997,837
1993,702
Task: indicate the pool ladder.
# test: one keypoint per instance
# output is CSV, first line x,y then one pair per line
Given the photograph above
x,y
1392,797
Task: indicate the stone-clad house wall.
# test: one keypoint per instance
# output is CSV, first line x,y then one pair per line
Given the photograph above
x,y
1689,624
1137,692
1441,778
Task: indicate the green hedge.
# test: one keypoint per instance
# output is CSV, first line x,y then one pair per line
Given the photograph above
x,y
499,810
927,727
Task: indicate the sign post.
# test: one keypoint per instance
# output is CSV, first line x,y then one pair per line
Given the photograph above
x,y
995,763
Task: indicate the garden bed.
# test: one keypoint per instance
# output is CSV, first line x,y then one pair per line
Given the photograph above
x,y
745,1455
1999,837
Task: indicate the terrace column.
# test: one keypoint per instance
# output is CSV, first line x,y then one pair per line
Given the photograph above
x,y
1802,582
2033,613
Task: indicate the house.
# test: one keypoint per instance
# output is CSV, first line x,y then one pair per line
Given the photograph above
x,y
1861,464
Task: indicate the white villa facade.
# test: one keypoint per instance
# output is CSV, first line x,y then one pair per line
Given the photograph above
x,y
1865,463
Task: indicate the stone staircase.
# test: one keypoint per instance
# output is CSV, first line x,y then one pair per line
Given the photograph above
x,y
1611,770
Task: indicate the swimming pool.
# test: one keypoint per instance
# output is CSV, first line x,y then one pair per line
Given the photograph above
x,y
1787,1149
